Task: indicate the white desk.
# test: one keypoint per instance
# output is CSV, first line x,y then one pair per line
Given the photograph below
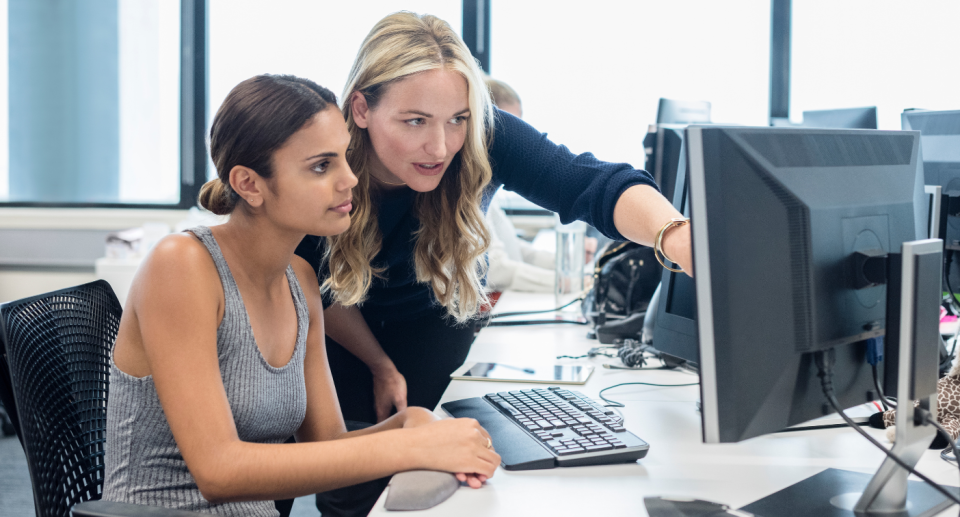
x,y
678,462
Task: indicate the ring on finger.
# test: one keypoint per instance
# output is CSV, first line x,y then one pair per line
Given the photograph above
x,y
489,443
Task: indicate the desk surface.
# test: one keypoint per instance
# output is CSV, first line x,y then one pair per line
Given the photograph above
x,y
678,462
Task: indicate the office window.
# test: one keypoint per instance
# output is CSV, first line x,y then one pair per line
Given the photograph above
x,y
316,40
90,101
590,73
885,53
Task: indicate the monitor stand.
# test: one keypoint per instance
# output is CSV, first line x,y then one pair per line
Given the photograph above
x,y
835,493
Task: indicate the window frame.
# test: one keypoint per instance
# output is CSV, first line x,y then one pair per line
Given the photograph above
x,y
193,109
194,84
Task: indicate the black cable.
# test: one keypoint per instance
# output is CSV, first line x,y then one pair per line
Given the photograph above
x,y
594,352
824,360
635,368
945,456
614,403
928,419
632,353
532,322
524,313
883,398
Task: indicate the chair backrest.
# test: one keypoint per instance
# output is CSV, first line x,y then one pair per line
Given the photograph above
x,y
57,349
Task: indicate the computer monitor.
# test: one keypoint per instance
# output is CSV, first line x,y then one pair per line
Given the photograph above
x,y
662,146
940,151
776,216
783,221
937,209
848,118
672,111
675,328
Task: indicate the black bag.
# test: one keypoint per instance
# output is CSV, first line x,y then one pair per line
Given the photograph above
x,y
624,280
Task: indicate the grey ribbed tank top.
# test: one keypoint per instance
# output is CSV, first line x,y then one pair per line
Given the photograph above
x,y
143,463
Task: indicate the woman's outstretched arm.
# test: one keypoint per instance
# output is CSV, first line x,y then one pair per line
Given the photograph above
x,y
177,309
619,200
640,213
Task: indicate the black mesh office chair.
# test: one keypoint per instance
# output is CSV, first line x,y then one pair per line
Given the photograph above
x,y
54,380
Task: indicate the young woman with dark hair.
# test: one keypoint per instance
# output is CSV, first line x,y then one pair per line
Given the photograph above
x,y
220,355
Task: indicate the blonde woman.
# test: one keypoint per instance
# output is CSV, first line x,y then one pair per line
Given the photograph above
x,y
429,149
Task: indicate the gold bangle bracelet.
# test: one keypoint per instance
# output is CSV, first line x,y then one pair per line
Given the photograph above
x,y
658,244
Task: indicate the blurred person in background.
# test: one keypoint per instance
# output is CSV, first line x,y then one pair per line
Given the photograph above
x,y
515,264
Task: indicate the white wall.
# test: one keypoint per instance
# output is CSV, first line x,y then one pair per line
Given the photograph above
x,y
16,283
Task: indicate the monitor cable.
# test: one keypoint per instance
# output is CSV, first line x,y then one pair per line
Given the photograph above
x,y
633,353
604,351
615,404
948,456
824,360
579,297
520,323
887,403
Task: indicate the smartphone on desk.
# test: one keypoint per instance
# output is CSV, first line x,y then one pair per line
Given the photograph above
x,y
539,373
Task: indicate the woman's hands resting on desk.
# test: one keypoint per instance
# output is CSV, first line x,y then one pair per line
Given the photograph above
x,y
452,445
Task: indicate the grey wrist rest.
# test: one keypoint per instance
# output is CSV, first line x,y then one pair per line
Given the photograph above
x,y
420,489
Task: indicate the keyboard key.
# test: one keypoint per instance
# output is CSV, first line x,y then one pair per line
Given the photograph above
x,y
543,424
532,426
508,408
593,448
558,424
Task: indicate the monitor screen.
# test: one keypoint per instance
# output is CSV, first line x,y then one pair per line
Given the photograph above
x,y
671,111
778,216
675,329
848,118
940,150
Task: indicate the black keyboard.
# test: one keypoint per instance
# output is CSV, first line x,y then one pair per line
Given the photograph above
x,y
551,427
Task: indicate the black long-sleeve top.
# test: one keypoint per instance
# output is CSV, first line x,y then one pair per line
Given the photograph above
x,y
577,187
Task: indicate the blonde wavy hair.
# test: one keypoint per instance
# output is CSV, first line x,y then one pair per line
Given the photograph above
x,y
452,238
